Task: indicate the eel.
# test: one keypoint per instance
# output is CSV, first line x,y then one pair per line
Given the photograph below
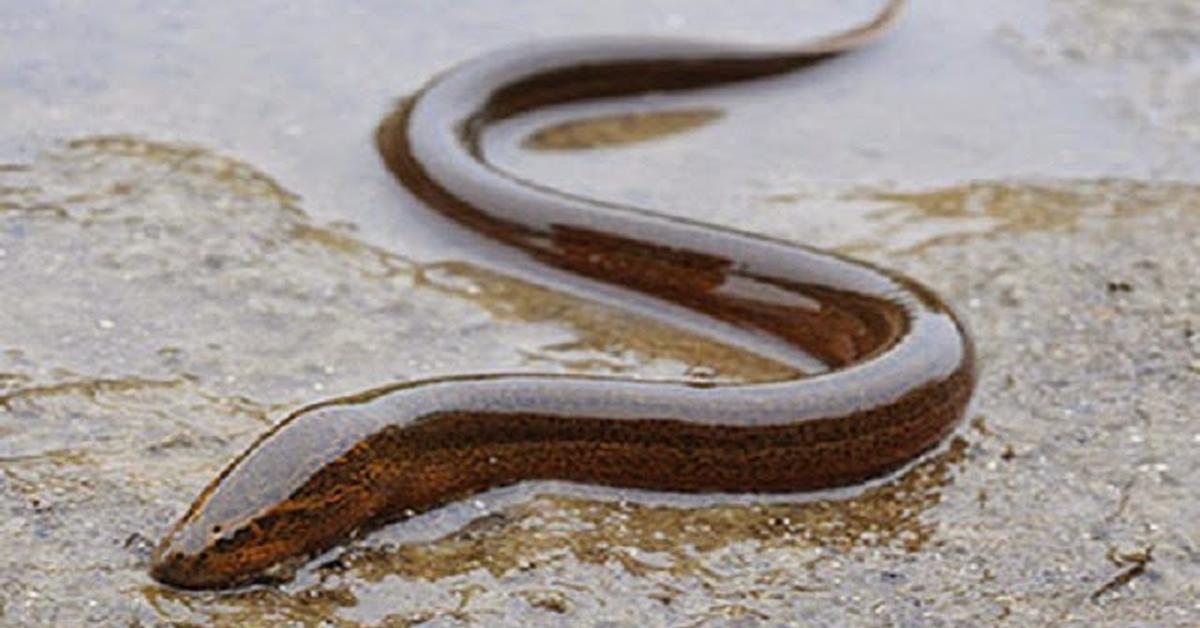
x,y
900,363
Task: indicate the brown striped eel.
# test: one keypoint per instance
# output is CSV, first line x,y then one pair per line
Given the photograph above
x,y
900,364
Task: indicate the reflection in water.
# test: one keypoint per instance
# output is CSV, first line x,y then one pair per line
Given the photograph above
x,y
619,129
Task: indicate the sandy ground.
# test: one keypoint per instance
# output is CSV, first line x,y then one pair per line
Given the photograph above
x,y
195,237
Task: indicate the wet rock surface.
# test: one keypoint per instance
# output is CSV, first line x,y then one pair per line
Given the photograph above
x,y
164,303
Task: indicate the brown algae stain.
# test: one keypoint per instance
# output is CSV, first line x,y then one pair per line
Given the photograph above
x,y
619,130
1042,206
182,159
872,220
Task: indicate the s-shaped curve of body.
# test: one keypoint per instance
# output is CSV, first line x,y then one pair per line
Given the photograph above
x,y
901,366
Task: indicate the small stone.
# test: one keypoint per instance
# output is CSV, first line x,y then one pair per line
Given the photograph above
x,y
1120,286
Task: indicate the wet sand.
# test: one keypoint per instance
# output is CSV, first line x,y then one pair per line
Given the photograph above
x,y
196,236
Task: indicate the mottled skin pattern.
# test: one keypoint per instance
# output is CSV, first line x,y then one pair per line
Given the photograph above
x,y
901,365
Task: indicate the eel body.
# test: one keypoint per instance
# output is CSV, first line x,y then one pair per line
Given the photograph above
x,y
901,365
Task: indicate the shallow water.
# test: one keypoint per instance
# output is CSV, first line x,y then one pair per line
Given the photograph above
x,y
168,296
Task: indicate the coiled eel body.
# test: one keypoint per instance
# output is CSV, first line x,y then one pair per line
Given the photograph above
x,y
901,366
